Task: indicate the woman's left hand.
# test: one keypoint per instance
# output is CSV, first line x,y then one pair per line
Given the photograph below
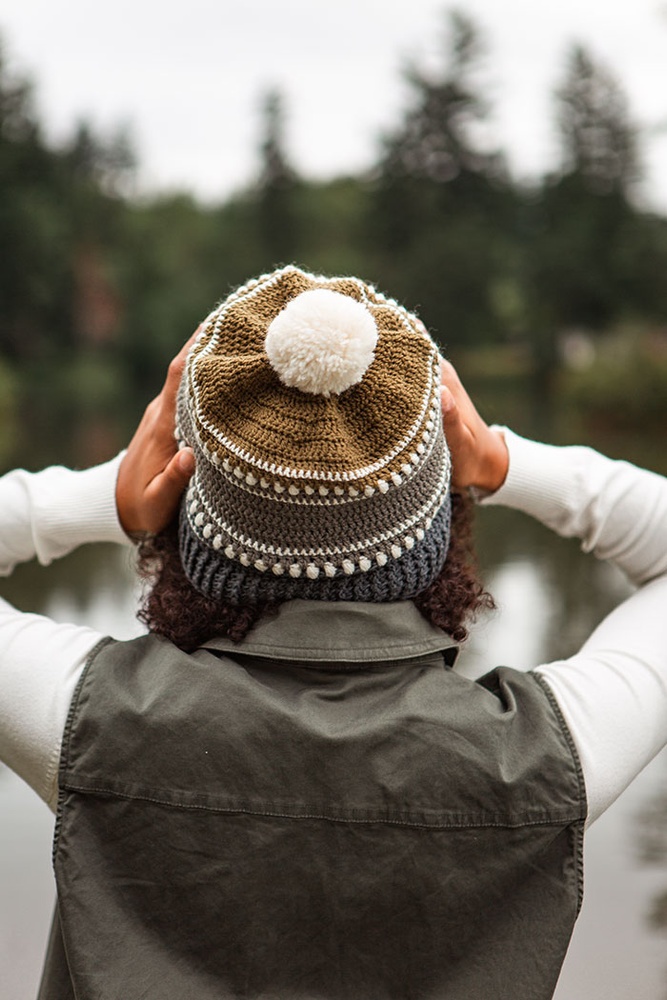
x,y
479,453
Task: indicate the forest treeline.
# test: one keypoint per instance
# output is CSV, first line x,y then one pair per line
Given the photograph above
x,y
98,287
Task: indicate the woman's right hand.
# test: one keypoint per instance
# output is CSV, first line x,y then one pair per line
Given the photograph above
x,y
154,472
479,454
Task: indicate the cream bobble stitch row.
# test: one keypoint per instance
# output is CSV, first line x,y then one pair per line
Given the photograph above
x,y
429,425
383,485
295,569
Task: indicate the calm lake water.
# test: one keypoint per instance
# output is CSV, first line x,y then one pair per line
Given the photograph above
x,y
549,596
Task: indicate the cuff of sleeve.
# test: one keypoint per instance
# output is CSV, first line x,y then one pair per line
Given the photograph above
x,y
542,479
80,508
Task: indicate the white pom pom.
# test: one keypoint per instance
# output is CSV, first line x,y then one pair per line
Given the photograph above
x,y
322,342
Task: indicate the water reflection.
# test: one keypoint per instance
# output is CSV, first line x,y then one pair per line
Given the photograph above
x,y
550,597
93,586
557,593
523,593
651,842
652,850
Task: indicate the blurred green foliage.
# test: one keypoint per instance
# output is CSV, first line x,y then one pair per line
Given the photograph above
x,y
624,386
8,393
98,288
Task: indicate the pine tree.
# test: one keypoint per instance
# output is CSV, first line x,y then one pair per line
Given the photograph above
x,y
33,273
436,141
582,263
439,196
277,217
598,139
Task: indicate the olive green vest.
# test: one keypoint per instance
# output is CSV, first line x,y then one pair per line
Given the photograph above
x,y
346,817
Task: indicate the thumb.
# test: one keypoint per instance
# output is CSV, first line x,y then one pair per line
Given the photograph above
x,y
449,408
174,477
185,460
167,488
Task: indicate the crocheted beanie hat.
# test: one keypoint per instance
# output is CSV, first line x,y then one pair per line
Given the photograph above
x,y
322,472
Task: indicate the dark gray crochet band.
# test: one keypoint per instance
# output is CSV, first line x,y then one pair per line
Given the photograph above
x,y
227,581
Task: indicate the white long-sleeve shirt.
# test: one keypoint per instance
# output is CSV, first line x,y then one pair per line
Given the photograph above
x,y
612,693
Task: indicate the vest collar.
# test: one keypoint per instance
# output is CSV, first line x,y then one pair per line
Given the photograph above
x,y
341,632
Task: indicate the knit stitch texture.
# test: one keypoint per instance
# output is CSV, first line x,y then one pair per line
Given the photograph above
x,y
338,496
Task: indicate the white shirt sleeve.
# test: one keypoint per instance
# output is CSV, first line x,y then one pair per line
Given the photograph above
x,y
46,515
613,692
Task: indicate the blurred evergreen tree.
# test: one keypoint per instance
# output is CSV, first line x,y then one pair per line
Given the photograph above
x,y
18,123
441,203
278,185
61,215
436,141
32,230
588,245
598,138
107,164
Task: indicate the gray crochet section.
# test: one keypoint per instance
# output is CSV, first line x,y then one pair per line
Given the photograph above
x,y
314,532
227,581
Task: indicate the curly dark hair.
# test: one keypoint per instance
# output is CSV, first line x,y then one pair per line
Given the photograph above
x,y
173,608
457,594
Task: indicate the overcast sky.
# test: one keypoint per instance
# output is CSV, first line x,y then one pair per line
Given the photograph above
x,y
188,77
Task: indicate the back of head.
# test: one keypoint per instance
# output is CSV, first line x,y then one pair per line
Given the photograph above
x,y
312,405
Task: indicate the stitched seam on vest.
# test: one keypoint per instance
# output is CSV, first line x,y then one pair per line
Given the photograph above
x,y
578,834
583,801
452,824
67,735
